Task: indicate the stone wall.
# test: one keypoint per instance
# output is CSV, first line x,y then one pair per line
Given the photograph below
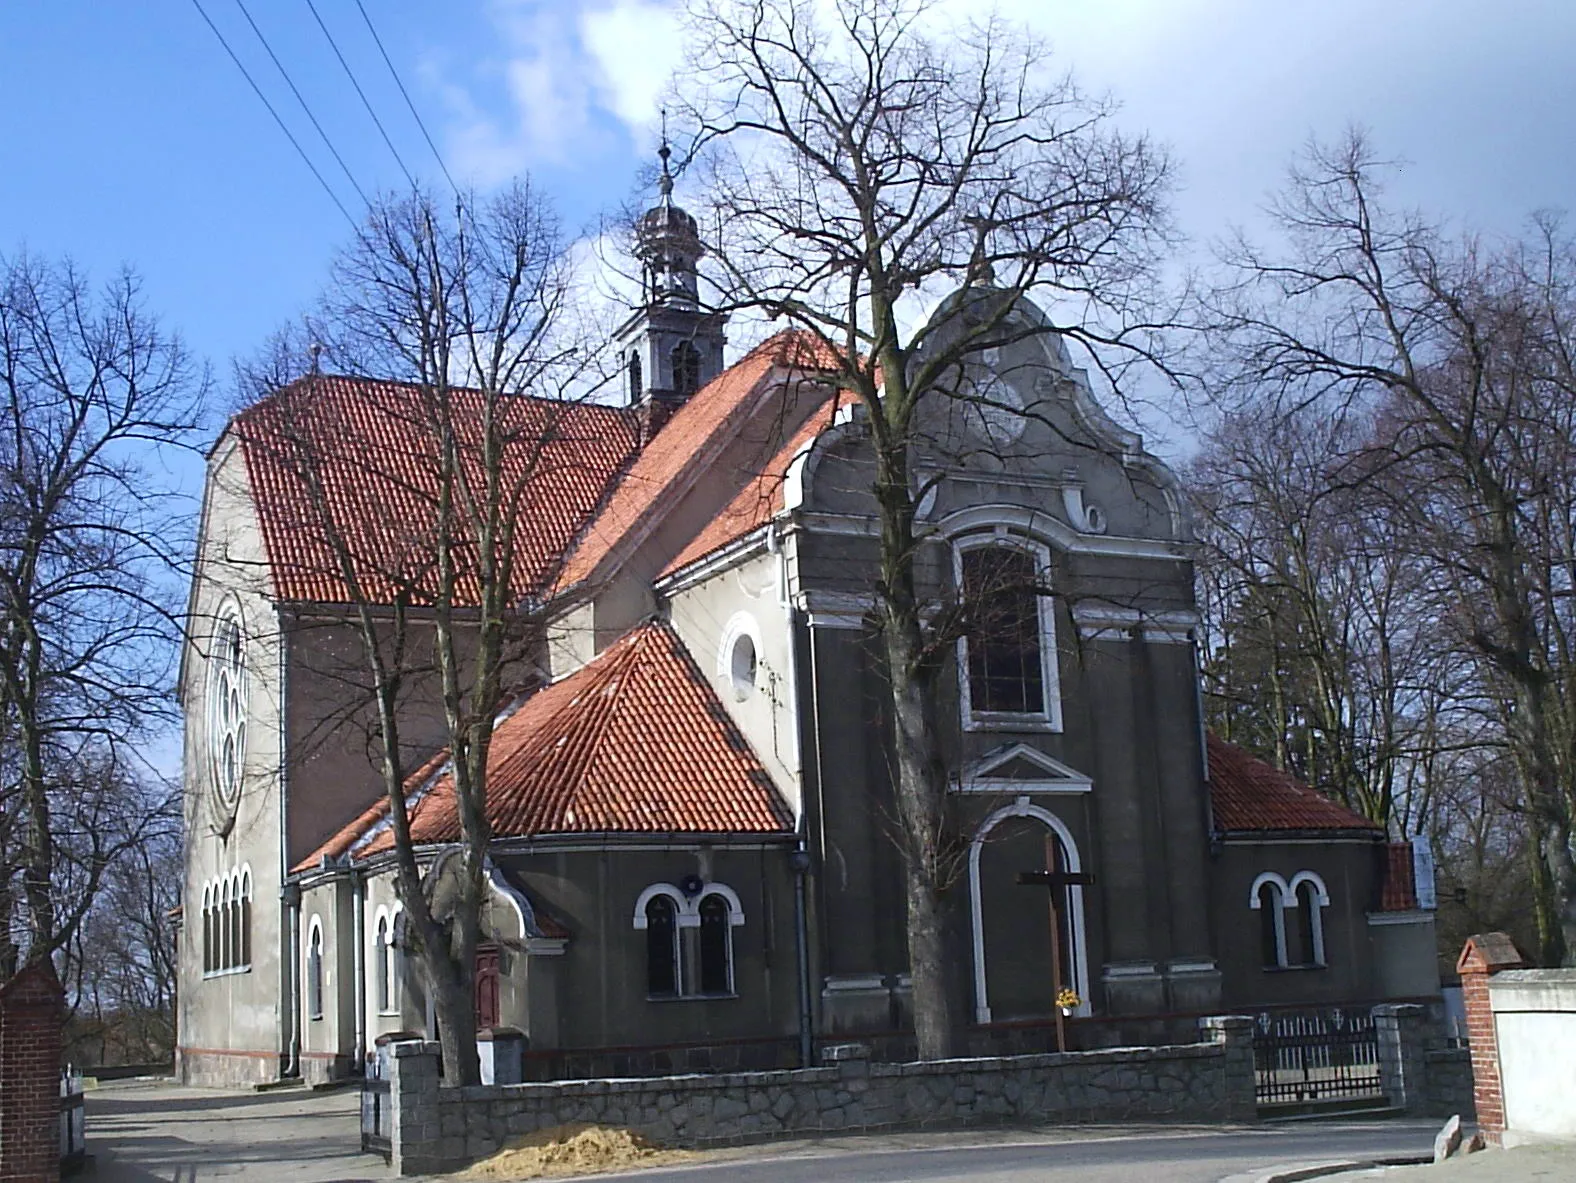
x,y
1449,1076
437,1128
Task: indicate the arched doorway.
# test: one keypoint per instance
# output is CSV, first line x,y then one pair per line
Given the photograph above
x,y
1013,948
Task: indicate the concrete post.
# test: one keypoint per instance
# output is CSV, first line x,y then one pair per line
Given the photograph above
x,y
852,1060
1401,1036
502,1054
1481,957
1235,1034
415,1127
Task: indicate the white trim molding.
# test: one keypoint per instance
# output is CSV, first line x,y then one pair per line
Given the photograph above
x,y
1075,900
1057,777
1109,622
688,910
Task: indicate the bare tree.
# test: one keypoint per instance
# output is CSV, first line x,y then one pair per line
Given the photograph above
x,y
1462,353
91,534
853,163
428,525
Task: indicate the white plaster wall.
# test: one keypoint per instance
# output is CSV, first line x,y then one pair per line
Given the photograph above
x,y
750,593
1535,1024
239,1011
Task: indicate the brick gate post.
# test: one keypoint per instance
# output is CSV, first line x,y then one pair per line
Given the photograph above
x,y
31,1006
1483,956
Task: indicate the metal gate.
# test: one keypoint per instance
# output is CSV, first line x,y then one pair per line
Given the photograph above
x,y
1319,1055
377,1122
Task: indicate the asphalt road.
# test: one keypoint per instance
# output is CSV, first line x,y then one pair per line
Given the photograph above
x,y
1202,1156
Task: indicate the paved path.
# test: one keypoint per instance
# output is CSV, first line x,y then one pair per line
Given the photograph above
x,y
143,1131
1062,1155
1555,1163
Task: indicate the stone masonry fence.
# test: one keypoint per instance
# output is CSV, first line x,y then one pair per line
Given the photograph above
x,y
435,1128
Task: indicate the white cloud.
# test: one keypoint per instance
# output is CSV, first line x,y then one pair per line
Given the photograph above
x,y
634,46
547,113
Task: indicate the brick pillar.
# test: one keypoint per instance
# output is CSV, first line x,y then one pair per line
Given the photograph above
x,y
1482,957
31,1006
1235,1034
1399,1032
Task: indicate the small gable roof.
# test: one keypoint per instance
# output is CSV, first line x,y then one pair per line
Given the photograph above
x,y
687,440
1248,794
636,742
371,448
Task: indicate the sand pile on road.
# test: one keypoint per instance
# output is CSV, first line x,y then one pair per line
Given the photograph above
x,y
574,1150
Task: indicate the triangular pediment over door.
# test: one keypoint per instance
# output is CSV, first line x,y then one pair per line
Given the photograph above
x,y
1020,768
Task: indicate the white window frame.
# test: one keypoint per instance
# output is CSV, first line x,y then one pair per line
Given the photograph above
x,y
1049,717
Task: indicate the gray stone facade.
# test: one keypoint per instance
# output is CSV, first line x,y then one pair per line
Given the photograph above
x,y
438,1129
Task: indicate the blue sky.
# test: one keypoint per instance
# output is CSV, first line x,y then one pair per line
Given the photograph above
x,y
129,136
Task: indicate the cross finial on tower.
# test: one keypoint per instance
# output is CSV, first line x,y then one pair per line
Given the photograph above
x,y
665,182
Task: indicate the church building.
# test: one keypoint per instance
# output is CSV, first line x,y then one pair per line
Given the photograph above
x,y
691,797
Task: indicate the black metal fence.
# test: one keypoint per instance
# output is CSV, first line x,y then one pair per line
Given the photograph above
x,y
1303,1056
73,1124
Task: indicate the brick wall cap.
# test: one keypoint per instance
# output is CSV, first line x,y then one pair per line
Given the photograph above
x,y
1489,952
34,986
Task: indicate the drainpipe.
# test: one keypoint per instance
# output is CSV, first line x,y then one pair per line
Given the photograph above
x,y
358,928
800,862
291,895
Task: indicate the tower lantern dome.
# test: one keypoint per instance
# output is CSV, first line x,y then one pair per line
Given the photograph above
x,y
667,242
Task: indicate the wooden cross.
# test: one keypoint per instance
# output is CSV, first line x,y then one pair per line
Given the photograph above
x,y
1058,881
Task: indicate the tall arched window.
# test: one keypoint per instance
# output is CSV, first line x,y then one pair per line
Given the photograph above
x,y
1000,587
637,379
1272,926
314,971
226,928
716,945
686,369
662,947
380,965
245,909
207,930
1310,896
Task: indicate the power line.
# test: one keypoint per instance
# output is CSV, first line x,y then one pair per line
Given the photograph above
x,y
285,74
296,144
349,73
397,82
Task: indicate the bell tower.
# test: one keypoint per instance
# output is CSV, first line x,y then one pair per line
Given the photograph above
x,y
672,345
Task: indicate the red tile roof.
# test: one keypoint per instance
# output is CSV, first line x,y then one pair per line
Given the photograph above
x,y
760,500
373,450
711,416
1248,794
636,742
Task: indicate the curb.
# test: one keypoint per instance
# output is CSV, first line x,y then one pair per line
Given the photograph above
x,y
1297,1172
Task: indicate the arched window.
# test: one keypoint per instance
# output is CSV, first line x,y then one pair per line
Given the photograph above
x,y
1272,926
1004,647
246,919
226,928
1310,896
314,971
235,921
716,945
637,379
207,930
686,369
662,947
380,966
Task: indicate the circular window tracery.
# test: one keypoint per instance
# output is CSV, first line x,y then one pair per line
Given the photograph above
x,y
227,708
